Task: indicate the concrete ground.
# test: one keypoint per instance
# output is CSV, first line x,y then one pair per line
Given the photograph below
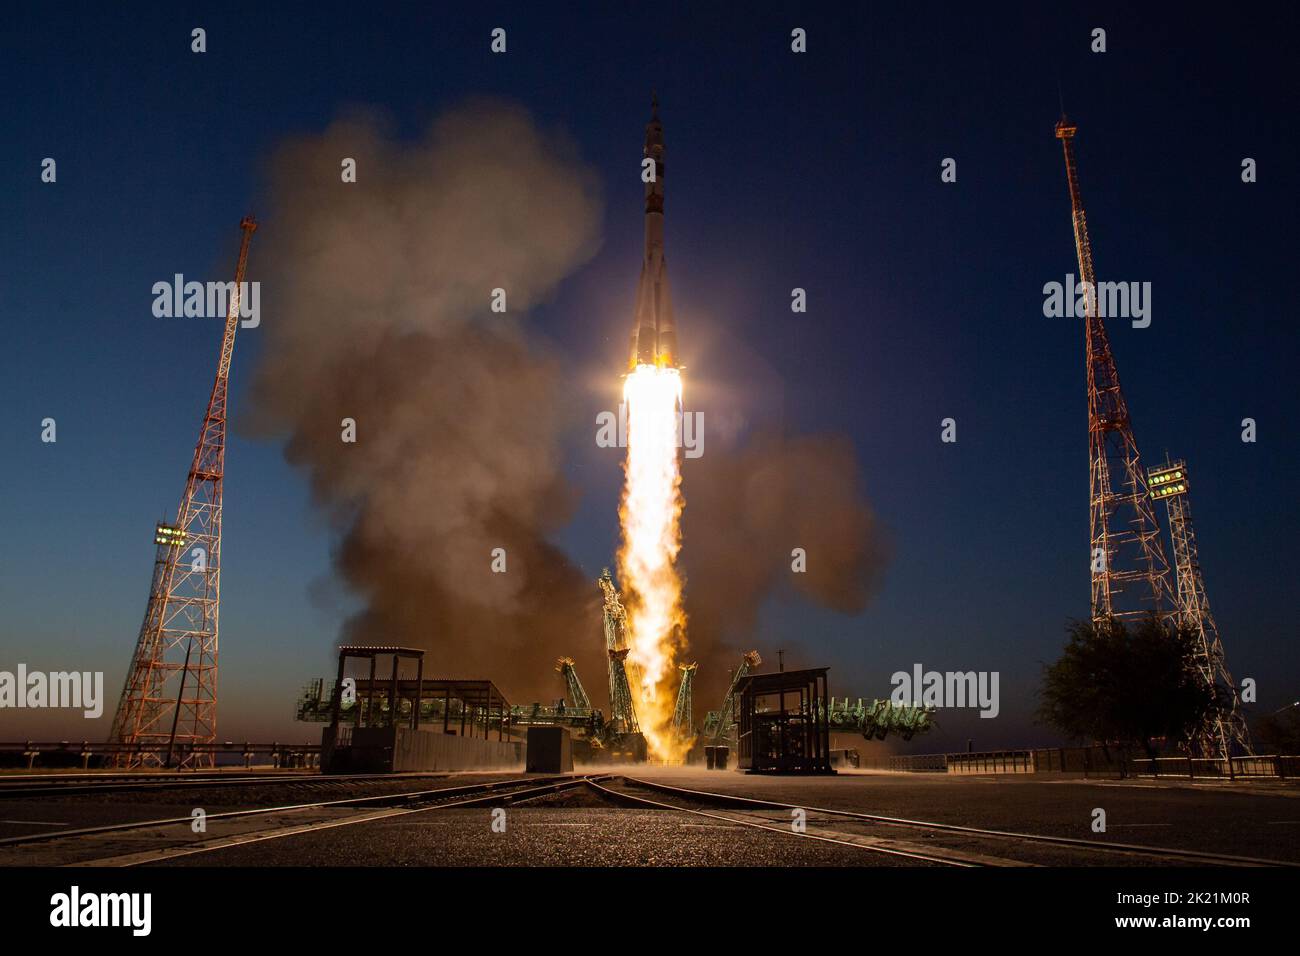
x,y
1245,819
24,816
583,828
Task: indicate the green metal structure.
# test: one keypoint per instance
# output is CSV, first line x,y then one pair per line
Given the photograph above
x,y
684,712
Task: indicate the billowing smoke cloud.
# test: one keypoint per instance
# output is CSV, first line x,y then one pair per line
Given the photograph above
x,y
377,309
747,509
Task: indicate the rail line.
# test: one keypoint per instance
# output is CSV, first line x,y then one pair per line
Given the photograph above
x,y
962,860
467,795
1002,836
480,795
157,855
727,808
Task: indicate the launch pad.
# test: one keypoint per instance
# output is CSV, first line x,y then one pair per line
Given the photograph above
x,y
774,722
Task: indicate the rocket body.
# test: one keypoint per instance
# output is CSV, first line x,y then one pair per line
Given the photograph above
x,y
654,337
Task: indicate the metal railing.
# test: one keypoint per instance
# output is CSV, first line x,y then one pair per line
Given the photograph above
x,y
1098,761
32,754
993,761
912,763
1274,765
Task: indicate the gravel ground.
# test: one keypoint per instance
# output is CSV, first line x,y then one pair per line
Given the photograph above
x,y
541,836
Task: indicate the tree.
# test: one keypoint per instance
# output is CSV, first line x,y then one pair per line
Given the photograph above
x,y
1117,684
1279,732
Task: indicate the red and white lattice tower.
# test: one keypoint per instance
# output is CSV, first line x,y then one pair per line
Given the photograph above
x,y
169,700
1130,575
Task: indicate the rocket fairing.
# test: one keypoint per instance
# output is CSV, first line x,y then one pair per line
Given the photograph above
x,y
654,338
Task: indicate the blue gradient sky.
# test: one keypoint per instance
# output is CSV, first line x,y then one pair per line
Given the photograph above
x,y
820,171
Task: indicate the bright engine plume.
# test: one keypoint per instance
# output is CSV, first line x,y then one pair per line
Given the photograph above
x,y
651,519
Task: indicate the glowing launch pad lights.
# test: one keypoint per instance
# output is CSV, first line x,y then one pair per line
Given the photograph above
x,y
1168,481
166,534
650,514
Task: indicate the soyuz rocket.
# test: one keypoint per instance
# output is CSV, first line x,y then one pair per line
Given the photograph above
x,y
654,339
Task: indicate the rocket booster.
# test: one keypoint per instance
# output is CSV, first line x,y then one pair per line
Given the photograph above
x,y
654,338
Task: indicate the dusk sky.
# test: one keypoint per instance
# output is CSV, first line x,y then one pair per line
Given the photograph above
x,y
818,170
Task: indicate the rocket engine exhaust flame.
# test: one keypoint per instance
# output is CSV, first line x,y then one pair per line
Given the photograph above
x,y
650,514
651,509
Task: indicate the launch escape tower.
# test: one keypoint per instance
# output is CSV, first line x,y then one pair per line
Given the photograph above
x,y
1223,731
1129,569
622,710
170,694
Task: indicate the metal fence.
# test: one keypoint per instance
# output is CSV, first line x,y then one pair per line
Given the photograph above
x,y
33,755
1089,761
993,761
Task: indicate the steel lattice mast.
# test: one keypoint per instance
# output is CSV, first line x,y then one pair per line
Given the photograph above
x,y
170,694
1129,569
1223,731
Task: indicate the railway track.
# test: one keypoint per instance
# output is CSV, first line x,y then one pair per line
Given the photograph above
x,y
146,841
924,842
887,848
991,846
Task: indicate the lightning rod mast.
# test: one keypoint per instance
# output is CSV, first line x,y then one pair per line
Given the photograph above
x,y
170,694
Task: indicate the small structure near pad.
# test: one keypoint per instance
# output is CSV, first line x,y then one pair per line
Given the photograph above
x,y
396,724
784,725
549,750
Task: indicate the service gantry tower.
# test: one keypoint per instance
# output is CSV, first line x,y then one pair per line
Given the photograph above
x,y
169,700
1129,569
1224,730
723,725
622,708
577,693
684,712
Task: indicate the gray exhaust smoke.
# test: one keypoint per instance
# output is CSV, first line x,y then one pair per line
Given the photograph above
x,y
381,292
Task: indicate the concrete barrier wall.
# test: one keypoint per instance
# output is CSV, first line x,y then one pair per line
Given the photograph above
x,y
398,749
430,750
